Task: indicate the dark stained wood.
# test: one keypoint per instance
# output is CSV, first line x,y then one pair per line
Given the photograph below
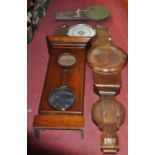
x,y
75,76
67,41
59,121
107,61
107,58
101,37
53,81
71,118
108,114
106,83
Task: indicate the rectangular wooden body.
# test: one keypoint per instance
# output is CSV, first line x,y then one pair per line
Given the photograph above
x,y
71,118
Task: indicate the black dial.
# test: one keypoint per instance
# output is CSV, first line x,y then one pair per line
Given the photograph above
x,y
62,98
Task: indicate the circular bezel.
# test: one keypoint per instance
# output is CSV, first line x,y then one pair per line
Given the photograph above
x,y
61,98
66,60
82,30
107,58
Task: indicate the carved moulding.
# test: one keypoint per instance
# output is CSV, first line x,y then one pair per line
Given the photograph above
x,y
107,61
108,114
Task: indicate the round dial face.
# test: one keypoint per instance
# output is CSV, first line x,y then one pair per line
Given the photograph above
x,y
66,60
107,58
61,99
81,30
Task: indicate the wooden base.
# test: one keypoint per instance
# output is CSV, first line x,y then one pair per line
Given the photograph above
x,y
50,118
62,122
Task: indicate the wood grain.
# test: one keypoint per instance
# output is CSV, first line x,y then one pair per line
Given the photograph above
x,y
58,121
74,78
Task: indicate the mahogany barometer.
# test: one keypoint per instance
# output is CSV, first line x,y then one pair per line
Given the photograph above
x,y
61,105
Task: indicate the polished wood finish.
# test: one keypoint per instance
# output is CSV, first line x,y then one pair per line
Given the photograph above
x,y
57,42
57,46
59,121
71,118
54,122
106,58
108,114
101,37
107,61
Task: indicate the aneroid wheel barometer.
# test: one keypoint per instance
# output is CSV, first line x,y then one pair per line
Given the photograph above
x,y
81,30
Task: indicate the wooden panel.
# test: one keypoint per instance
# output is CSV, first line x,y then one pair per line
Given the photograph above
x,y
58,121
67,42
75,75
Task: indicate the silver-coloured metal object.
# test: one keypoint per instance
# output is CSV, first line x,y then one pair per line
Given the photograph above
x,y
81,30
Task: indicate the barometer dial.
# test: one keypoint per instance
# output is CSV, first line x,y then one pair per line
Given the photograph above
x,y
81,30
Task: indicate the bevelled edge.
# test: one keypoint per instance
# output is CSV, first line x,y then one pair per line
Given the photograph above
x,y
58,121
93,30
108,70
67,41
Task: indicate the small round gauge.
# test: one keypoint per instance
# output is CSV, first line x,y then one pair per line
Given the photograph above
x,y
81,30
66,59
61,98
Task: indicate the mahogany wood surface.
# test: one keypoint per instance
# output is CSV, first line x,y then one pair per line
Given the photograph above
x,y
67,42
71,118
75,75
108,114
106,83
107,61
59,121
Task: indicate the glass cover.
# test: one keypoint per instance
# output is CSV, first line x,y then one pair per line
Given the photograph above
x,y
66,59
81,30
61,98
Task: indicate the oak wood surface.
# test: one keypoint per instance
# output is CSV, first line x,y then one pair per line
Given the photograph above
x,y
75,75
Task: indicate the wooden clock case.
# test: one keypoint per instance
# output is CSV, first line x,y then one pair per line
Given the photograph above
x,y
71,118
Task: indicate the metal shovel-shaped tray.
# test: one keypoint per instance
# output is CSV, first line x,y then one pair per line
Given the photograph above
x,y
95,12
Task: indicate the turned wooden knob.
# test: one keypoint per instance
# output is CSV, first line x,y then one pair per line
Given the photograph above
x,y
108,114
